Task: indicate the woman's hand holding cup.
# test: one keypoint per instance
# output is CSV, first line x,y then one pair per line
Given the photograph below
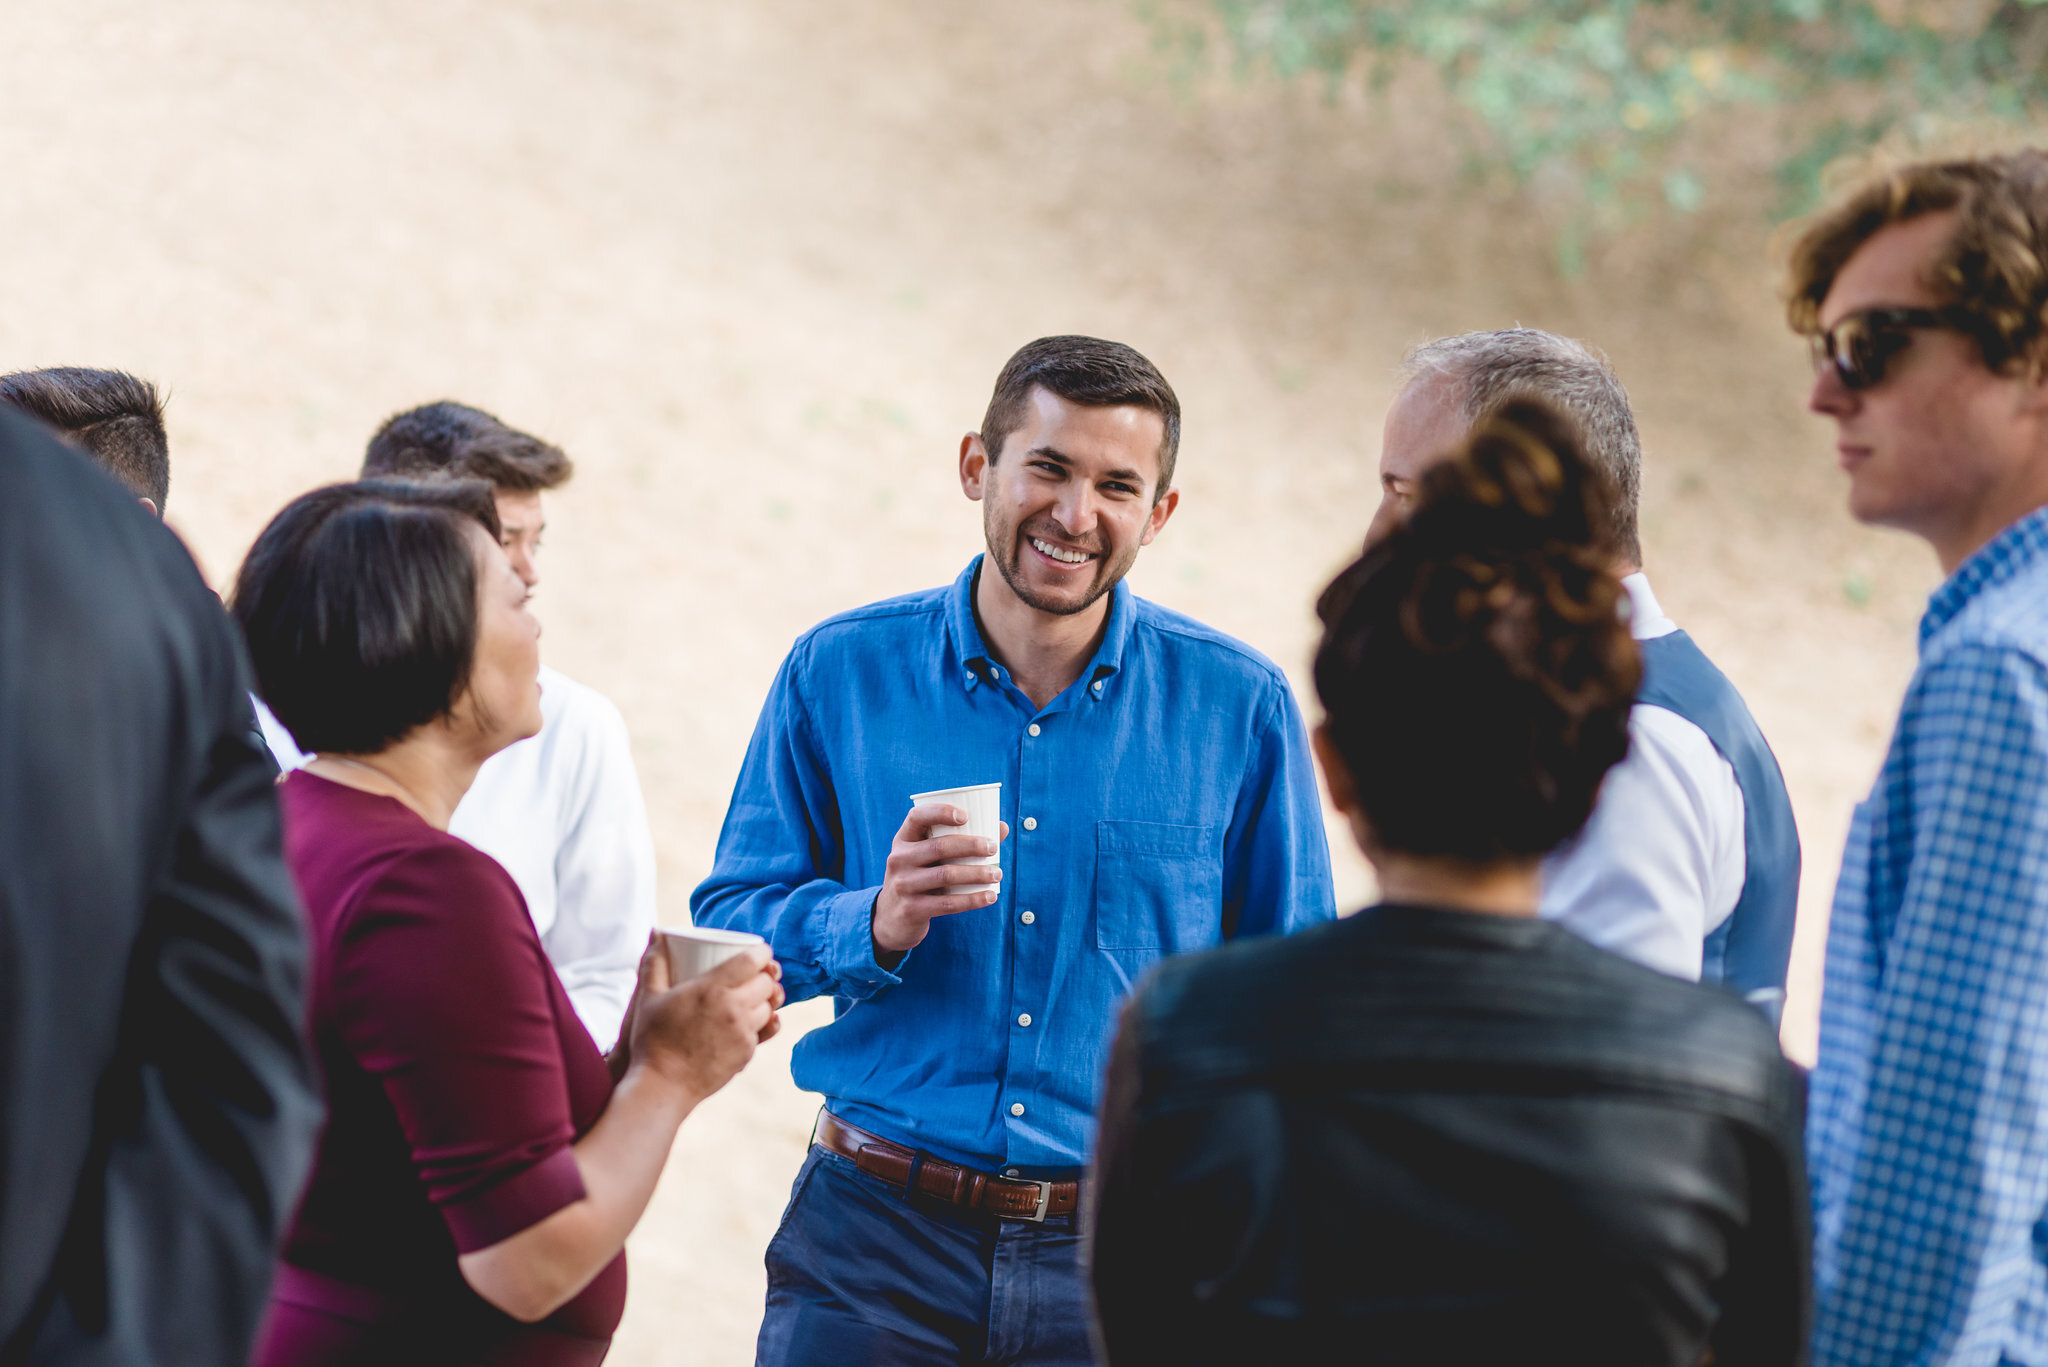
x,y
698,1035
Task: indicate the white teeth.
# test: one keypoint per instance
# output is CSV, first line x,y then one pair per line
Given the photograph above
x,y
1064,556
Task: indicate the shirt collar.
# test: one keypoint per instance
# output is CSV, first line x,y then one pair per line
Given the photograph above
x,y
2002,557
1646,619
977,664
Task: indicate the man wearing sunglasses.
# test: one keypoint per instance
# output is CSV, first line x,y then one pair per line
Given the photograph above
x,y
1926,294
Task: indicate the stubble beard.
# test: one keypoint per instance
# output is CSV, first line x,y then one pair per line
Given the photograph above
x,y
1011,567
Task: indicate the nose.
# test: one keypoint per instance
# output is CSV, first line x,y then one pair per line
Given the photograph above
x,y
1076,511
1393,510
523,566
1829,395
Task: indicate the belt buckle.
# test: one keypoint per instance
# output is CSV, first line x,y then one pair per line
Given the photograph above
x,y
1037,1217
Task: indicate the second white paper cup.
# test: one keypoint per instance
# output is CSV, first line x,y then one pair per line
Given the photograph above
x,y
983,803
693,950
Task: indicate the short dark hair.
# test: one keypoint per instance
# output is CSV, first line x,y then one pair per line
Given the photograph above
x,y
449,440
1087,371
358,602
116,418
1475,665
1995,265
1492,368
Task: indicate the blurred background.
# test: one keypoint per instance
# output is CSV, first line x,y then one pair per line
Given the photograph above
x,y
756,266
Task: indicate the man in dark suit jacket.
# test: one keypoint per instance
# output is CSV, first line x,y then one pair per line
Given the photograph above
x,y
158,1104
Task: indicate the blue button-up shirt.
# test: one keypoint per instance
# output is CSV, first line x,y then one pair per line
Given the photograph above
x,y
1928,1140
1164,802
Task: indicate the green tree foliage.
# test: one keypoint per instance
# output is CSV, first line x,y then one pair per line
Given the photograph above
x,y
1622,100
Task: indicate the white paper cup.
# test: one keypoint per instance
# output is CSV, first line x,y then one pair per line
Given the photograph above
x,y
983,803
694,950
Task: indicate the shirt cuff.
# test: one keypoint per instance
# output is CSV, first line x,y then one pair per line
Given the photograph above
x,y
850,945
521,1201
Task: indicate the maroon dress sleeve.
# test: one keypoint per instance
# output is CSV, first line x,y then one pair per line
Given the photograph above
x,y
441,992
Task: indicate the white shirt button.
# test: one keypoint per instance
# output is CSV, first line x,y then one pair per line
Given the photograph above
x,y
1098,685
1034,728
1030,823
1024,1019
1027,918
1009,1172
1016,1108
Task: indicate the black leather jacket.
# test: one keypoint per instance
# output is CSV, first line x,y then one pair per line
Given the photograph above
x,y
1428,1136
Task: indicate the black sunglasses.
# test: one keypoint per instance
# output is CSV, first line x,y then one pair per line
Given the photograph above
x,y
1860,346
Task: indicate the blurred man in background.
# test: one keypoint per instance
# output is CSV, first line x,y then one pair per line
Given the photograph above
x,y
158,1105
1926,295
563,811
111,415
118,420
1690,863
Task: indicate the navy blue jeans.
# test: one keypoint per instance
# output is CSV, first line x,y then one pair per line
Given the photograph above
x,y
857,1275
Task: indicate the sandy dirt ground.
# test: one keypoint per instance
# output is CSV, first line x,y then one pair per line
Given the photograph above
x,y
756,265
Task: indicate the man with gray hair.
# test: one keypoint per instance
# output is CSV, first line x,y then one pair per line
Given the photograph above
x,y
1691,861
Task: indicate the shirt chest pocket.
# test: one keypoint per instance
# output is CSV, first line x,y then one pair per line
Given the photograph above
x,y
1157,886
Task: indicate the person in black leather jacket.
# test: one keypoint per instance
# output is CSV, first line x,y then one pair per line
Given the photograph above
x,y
1443,1131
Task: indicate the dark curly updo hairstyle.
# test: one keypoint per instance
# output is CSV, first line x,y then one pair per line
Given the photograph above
x,y
1476,665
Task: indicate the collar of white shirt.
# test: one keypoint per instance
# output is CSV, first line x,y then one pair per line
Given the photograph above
x,y
1646,619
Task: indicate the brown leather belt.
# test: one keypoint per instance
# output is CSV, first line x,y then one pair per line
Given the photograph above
x,y
1006,1198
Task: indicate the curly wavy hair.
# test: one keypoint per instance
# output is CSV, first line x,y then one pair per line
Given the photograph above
x,y
1476,665
1995,266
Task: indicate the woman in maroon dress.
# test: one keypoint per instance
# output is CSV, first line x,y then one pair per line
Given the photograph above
x,y
482,1162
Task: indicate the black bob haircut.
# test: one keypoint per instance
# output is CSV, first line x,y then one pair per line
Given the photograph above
x,y
1090,372
1476,664
358,603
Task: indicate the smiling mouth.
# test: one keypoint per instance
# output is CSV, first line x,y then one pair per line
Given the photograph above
x,y
1059,555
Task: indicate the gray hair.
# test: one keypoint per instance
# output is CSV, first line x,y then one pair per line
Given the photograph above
x,y
1525,363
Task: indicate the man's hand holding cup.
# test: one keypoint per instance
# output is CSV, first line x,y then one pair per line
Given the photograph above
x,y
942,861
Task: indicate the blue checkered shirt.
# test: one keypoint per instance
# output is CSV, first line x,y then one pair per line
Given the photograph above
x,y
1928,1136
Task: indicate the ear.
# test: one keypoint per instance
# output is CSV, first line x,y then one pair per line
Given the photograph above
x,y
1161,511
2034,391
1336,773
974,466
1343,788
150,504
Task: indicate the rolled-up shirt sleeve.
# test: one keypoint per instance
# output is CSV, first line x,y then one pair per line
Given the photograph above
x,y
441,993
782,853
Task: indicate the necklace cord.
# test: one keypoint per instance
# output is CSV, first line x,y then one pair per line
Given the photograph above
x,y
414,798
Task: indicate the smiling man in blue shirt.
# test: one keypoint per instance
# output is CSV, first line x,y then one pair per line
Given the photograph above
x,y
1157,798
